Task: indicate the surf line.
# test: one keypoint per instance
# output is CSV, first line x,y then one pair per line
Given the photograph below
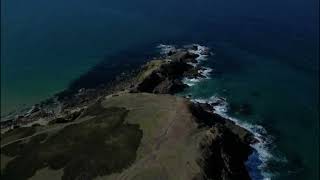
x,y
257,161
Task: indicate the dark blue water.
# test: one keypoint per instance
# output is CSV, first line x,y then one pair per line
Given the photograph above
x,y
266,55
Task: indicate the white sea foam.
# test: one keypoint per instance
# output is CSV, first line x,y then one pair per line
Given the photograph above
x,y
165,49
257,161
202,53
262,153
190,81
205,72
192,64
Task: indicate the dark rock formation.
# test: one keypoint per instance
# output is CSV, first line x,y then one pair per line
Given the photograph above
x,y
150,82
169,87
167,78
184,56
193,73
225,148
58,121
224,155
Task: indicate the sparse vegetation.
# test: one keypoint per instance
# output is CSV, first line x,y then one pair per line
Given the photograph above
x,y
148,68
131,134
100,146
17,134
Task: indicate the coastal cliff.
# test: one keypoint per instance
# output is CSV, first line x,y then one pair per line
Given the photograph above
x,y
134,128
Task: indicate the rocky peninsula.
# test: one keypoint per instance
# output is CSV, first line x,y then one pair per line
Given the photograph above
x,y
133,128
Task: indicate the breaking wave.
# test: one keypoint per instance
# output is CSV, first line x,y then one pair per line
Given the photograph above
x,y
257,161
201,51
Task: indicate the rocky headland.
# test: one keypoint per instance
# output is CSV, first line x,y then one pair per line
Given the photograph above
x,y
133,128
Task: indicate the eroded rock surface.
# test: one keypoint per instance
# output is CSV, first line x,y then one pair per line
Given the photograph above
x,y
134,129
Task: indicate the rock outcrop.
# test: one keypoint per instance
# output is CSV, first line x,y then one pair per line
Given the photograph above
x,y
167,77
164,136
226,146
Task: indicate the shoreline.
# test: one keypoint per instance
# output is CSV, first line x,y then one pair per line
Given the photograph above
x,y
164,76
261,154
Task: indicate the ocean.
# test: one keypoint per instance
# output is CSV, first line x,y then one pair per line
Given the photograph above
x,y
265,60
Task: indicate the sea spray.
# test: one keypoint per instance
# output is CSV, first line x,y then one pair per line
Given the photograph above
x,y
201,51
257,161
165,49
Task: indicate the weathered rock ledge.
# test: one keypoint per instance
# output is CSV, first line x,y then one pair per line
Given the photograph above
x,y
181,139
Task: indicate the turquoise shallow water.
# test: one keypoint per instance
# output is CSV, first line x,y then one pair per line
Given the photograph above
x,y
46,45
266,56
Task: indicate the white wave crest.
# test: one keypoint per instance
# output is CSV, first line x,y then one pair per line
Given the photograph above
x,y
202,52
262,153
205,71
257,161
165,49
190,81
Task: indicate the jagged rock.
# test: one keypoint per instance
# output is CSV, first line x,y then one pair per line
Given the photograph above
x,y
170,53
204,112
7,123
184,56
33,109
218,102
165,79
59,120
169,87
36,125
193,73
224,155
214,146
175,69
74,115
150,82
226,146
